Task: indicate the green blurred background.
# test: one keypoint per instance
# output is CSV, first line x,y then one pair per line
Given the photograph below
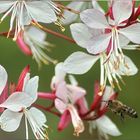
x,y
14,61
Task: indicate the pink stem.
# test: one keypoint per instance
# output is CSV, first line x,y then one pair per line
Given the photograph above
x,y
45,95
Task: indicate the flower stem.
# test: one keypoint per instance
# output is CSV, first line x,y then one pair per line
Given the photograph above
x,y
49,96
5,34
47,109
53,32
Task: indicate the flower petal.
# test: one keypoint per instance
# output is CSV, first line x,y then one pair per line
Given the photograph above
x,y
123,40
73,80
80,33
129,68
61,92
122,10
17,101
107,126
98,44
24,18
3,78
132,32
94,19
109,92
38,115
97,6
36,34
75,93
70,17
60,105
3,96
5,5
79,63
41,11
31,88
59,73
76,120
10,121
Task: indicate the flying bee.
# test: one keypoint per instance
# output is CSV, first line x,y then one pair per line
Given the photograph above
x,y
121,109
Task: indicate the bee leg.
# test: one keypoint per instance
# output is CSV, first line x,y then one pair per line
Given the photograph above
x,y
122,116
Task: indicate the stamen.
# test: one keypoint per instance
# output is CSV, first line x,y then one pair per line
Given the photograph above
x,y
101,92
26,127
12,19
59,25
37,130
102,72
7,13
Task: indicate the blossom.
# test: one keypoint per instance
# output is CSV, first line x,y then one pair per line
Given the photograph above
x,y
67,95
70,17
105,41
113,64
96,36
32,42
112,32
24,12
80,63
17,105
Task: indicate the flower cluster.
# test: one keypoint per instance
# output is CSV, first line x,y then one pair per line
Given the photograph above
x,y
104,34
104,37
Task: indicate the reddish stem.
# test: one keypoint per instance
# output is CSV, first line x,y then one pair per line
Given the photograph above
x,y
5,34
53,32
48,109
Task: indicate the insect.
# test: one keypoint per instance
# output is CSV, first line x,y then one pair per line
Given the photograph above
x,y
121,109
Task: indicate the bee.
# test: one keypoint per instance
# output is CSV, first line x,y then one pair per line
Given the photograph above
x,y
121,109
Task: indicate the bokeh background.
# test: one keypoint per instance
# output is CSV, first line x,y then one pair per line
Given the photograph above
x,y
14,61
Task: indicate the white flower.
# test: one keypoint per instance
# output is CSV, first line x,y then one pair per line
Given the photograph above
x,y
34,39
112,32
104,127
105,39
23,12
17,105
80,63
